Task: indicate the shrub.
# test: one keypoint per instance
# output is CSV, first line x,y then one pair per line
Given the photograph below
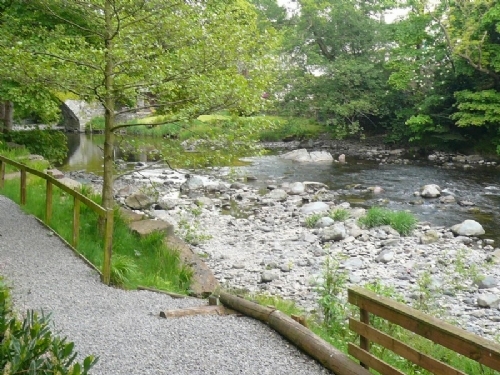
x,y
123,269
28,346
402,221
51,144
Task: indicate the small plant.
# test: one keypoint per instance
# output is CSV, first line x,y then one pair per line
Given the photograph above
x,y
123,270
402,221
29,347
311,220
339,214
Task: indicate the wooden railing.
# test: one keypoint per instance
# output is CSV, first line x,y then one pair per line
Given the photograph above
x,y
107,215
472,346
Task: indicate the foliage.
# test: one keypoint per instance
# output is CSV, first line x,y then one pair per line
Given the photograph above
x,y
339,214
402,221
51,144
123,269
28,346
311,220
175,58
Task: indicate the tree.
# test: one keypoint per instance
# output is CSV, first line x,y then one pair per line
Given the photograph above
x,y
180,58
333,59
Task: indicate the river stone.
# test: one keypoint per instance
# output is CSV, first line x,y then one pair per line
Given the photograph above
x,y
297,155
72,184
168,203
296,188
191,184
324,222
487,282
204,202
385,256
468,228
447,199
488,300
268,276
430,191
336,232
314,207
428,237
353,264
279,195
138,201
319,156
146,227
342,158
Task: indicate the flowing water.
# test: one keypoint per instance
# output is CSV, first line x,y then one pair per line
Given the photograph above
x,y
479,185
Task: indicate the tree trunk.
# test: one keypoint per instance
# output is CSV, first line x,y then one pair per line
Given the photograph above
x,y
8,116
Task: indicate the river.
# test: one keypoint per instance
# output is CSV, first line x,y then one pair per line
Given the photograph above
x,y
480,185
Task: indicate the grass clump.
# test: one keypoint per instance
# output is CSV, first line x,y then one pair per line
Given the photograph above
x,y
27,345
311,220
339,214
136,260
403,222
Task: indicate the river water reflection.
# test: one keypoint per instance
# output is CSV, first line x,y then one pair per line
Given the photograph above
x,y
480,185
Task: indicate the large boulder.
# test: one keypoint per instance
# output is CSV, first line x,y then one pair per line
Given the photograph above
x,y
303,155
138,201
336,232
146,227
192,183
430,191
279,195
297,188
468,228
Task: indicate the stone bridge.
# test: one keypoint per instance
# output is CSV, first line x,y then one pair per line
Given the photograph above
x,y
78,113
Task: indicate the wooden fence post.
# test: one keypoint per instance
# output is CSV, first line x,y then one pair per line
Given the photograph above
x,y
76,221
2,173
23,186
364,343
108,247
48,203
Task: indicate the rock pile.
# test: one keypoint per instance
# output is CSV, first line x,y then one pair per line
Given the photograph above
x,y
261,242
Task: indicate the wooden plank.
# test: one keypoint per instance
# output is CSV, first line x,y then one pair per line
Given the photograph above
x,y
372,361
303,338
463,342
108,247
48,203
76,221
23,186
190,311
403,350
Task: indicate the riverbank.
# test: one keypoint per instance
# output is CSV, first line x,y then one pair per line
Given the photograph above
x,y
258,241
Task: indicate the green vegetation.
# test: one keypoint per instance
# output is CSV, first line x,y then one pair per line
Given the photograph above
x,y
20,154
136,261
51,144
339,214
311,220
402,221
331,322
27,346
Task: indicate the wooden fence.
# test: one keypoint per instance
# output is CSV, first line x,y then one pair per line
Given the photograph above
x,y
477,348
78,198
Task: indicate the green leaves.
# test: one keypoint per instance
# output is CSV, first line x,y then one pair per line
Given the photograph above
x,y
28,346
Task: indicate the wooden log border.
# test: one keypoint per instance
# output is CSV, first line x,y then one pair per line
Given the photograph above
x,y
79,198
477,348
303,338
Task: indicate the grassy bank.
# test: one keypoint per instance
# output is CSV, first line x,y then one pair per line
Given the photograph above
x,y
136,261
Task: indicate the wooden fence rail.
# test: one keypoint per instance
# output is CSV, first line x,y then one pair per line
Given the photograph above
x,y
78,198
472,346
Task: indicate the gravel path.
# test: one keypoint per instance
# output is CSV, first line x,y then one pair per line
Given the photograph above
x,y
121,327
